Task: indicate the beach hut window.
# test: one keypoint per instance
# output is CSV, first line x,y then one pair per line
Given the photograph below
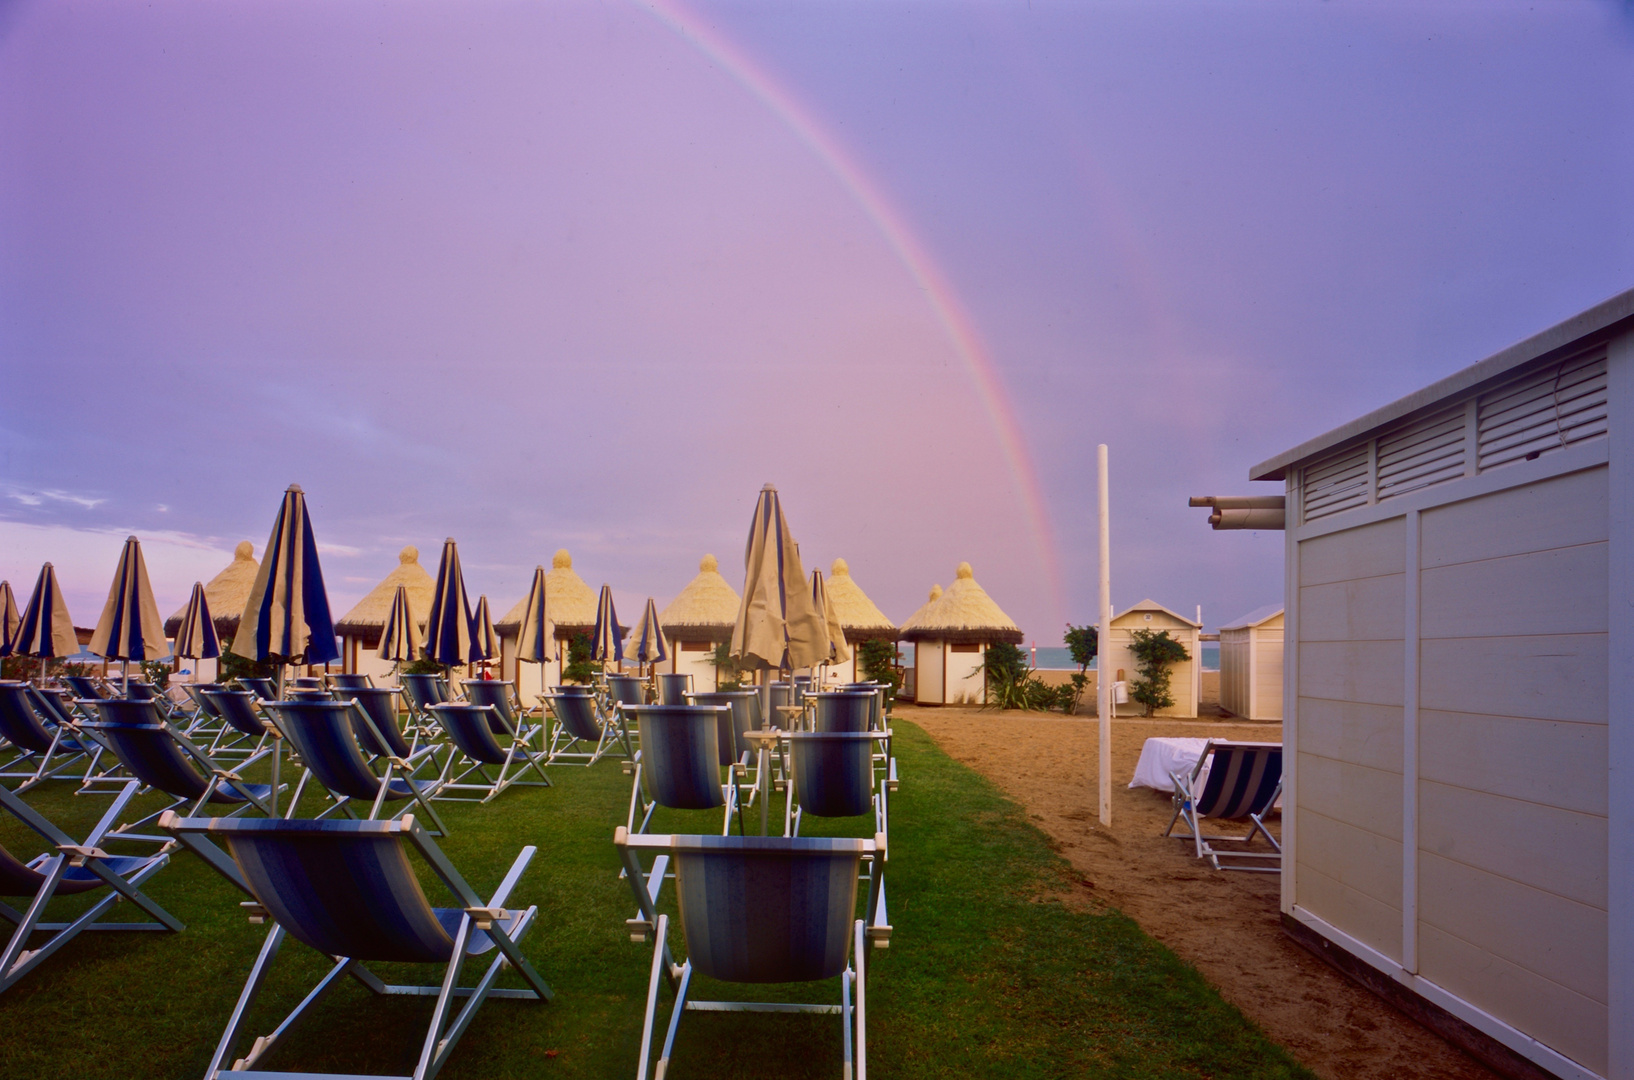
x,y
694,646
1426,451
1334,483
1550,408
970,646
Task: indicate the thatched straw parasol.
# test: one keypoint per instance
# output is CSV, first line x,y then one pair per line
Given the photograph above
x,y
703,611
570,602
226,593
365,621
965,613
858,616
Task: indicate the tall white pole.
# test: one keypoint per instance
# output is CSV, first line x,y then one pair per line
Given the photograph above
x,y
1103,676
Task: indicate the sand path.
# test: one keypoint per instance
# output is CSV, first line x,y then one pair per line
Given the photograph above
x,y
1225,924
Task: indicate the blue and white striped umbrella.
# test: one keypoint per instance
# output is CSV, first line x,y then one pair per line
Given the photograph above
x,y
484,642
607,642
130,627
11,622
46,632
535,637
400,638
448,626
648,640
777,624
286,618
196,636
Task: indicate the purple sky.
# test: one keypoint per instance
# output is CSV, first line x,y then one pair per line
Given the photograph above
x,y
587,275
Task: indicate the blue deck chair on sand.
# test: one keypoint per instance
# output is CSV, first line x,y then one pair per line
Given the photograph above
x,y
42,751
679,763
67,869
755,910
349,890
471,730
324,735
159,756
242,729
579,720
626,690
1244,780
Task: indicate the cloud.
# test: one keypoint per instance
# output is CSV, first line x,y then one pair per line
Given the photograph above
x,y
85,558
39,498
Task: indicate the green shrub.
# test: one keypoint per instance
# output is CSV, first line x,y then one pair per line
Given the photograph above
x,y
876,661
580,668
1083,642
1154,652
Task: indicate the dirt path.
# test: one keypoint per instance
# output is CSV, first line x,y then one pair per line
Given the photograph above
x,y
1226,924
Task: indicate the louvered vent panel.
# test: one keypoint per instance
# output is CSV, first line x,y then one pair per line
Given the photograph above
x,y
1545,410
1334,483
1424,452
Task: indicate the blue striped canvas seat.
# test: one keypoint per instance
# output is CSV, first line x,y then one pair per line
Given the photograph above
x,y
379,704
324,735
349,890
422,691
349,680
577,714
1242,781
263,688
48,740
69,869
496,695
848,711
206,707
757,910
745,708
83,686
833,772
153,754
472,730
626,689
674,688
680,763
237,711
20,723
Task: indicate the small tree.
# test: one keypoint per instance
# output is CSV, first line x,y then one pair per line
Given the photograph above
x,y
726,667
876,658
230,666
1005,669
1083,642
1154,652
579,667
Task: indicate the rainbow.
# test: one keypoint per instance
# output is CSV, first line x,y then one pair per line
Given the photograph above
x,y
893,227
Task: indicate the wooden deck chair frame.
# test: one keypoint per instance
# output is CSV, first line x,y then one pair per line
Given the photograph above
x,y
480,924
475,743
650,926
1236,788
72,868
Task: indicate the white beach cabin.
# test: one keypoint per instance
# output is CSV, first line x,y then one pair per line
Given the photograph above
x,y
359,629
1185,677
1251,664
1459,810
226,593
949,635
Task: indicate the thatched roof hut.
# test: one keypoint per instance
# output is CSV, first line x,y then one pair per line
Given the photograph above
x,y
703,611
859,617
964,614
226,593
365,621
914,619
570,603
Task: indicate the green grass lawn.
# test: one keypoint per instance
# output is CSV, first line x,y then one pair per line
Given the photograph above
x,y
989,972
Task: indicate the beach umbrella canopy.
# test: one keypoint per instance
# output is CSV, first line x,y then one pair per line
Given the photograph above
x,y
838,651
535,635
484,643
287,614
196,636
448,627
607,642
130,627
400,637
777,623
46,630
11,622
648,641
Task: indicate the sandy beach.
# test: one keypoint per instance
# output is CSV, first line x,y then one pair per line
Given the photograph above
x,y
1225,924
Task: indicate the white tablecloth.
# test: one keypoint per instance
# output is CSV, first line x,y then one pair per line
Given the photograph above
x,y
1160,757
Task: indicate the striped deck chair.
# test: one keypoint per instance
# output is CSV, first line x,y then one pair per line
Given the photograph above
x,y
755,910
501,696
324,735
579,720
379,704
626,690
85,687
745,706
69,869
1243,780
240,723
844,710
832,776
43,751
348,680
679,763
204,720
673,689
470,730
158,755
263,688
142,690
349,890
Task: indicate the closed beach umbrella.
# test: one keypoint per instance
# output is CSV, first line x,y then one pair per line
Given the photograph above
x,y
400,637
448,627
484,643
607,642
46,631
777,624
286,617
838,651
130,627
196,636
650,647
11,622
535,637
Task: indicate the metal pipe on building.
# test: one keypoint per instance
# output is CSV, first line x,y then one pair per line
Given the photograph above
x,y
1244,511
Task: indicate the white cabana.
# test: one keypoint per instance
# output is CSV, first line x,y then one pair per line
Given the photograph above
x,y
359,629
1251,664
1185,677
950,634
571,604
699,618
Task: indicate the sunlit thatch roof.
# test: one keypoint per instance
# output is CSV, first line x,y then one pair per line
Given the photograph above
x,y
368,618
964,613
858,615
703,611
569,602
226,593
